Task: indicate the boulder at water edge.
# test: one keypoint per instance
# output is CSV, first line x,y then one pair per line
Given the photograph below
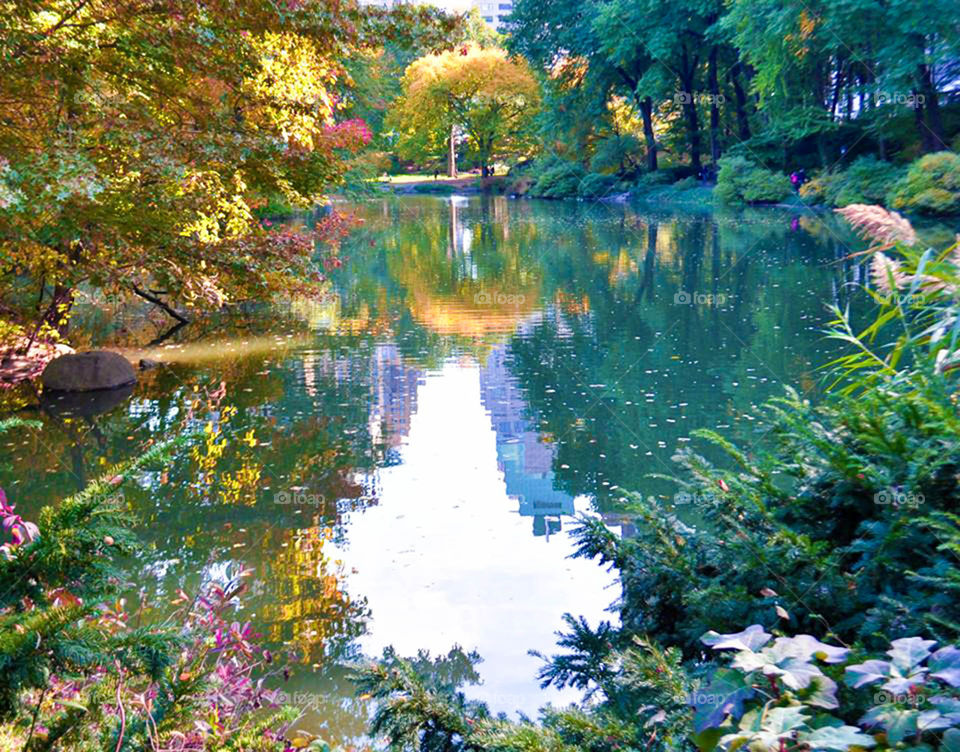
x,y
87,371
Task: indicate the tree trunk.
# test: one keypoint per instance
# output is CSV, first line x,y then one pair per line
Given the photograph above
x,y
646,112
918,119
837,87
452,158
688,71
63,296
714,108
932,106
693,133
743,122
821,151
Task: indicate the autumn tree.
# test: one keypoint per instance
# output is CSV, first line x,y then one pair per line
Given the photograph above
x,y
483,92
136,139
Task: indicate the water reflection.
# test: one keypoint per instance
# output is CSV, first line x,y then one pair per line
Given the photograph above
x,y
400,463
523,456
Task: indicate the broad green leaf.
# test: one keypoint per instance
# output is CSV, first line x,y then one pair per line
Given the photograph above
x,y
951,741
781,720
838,738
868,672
787,658
945,665
900,724
909,652
723,696
752,638
822,693
820,650
706,740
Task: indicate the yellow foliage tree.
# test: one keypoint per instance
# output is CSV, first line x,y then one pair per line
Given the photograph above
x,y
486,94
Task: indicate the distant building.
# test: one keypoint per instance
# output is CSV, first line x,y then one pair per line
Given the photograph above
x,y
494,12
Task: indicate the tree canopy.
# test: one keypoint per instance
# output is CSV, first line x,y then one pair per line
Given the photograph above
x,y
488,95
780,83
138,139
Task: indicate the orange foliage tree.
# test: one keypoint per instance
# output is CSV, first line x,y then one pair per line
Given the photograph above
x,y
490,96
138,136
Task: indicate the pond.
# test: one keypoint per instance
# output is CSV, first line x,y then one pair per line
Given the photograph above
x,y
402,463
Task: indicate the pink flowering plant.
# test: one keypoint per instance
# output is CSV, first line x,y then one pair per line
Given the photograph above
x,y
80,670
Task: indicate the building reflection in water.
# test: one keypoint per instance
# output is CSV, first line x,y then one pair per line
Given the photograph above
x,y
394,399
524,459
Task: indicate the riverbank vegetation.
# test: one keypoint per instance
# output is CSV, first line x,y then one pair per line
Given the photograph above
x,y
83,670
786,87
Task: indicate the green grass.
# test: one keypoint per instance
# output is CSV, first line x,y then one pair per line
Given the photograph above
x,y
420,177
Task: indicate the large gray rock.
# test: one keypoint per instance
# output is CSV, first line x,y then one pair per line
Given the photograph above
x,y
85,372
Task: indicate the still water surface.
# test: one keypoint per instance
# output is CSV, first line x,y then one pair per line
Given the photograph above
x,y
402,463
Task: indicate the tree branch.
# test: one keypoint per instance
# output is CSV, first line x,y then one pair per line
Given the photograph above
x,y
161,304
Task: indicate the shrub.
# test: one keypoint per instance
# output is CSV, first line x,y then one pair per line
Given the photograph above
x,y
561,180
595,185
817,188
741,181
931,185
866,181
652,180
78,672
780,695
617,154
